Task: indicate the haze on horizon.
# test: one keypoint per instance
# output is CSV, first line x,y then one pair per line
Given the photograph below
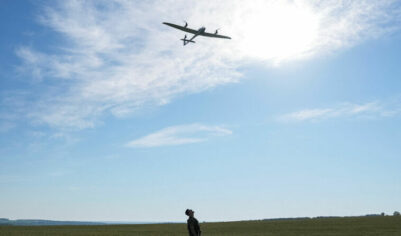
x,y
105,116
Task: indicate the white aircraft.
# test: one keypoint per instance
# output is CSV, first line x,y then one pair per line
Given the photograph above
x,y
199,32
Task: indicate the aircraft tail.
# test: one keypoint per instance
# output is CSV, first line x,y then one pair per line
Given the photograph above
x,y
186,41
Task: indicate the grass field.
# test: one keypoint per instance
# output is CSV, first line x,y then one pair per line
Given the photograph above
x,y
355,226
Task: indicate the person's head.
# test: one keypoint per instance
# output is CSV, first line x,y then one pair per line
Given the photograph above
x,y
189,212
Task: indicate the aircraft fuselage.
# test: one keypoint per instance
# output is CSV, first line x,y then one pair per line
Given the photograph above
x,y
200,32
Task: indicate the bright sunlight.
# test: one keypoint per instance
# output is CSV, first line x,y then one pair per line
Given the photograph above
x,y
277,31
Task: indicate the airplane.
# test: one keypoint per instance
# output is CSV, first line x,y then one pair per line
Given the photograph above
x,y
200,32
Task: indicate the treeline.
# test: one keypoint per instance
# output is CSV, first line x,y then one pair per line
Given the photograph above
x,y
396,213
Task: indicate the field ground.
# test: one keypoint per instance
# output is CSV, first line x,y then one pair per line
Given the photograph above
x,y
355,226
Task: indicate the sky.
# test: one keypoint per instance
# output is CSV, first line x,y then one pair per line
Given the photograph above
x,y
105,116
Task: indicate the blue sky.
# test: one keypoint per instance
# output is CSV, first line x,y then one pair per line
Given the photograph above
x,y
106,116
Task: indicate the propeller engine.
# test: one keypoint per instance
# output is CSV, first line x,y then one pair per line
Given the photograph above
x,y
186,24
217,31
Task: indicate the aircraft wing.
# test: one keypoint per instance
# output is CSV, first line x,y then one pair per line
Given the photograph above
x,y
192,31
215,35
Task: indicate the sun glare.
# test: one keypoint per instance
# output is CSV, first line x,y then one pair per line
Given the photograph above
x,y
277,31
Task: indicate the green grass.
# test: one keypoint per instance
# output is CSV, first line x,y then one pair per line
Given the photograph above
x,y
355,226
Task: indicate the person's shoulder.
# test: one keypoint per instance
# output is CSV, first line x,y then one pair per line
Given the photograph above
x,y
194,220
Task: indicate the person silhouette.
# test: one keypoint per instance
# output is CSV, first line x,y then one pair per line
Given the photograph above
x,y
192,223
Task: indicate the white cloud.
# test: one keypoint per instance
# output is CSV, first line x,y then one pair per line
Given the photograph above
x,y
178,135
368,110
116,57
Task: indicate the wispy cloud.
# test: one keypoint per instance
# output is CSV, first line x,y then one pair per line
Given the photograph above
x,y
368,110
7,179
59,173
6,126
116,57
178,135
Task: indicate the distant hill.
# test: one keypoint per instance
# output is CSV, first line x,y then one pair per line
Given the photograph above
x,y
33,222
28,222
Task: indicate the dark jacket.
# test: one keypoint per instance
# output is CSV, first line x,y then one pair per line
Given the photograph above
x,y
193,227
